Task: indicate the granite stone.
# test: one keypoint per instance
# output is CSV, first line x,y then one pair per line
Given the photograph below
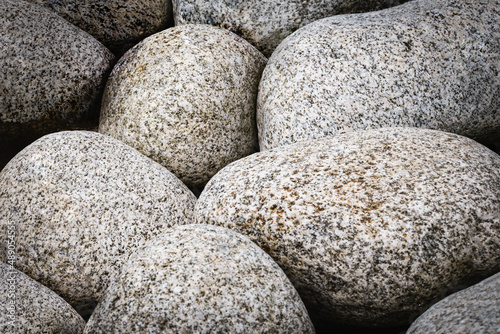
x,y
118,24
265,23
186,98
473,310
426,63
369,226
26,306
200,279
52,74
81,202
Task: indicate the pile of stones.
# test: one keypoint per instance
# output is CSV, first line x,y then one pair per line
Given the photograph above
x,y
249,166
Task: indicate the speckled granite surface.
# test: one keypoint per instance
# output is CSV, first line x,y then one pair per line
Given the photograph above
x,y
265,23
118,24
370,226
51,73
426,63
186,98
473,310
200,279
37,308
81,202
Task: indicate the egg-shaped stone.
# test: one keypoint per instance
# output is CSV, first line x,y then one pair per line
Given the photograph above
x,y
200,279
80,203
369,226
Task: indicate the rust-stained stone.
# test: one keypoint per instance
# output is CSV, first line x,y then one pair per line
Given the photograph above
x,y
28,307
186,98
426,63
80,202
369,226
200,279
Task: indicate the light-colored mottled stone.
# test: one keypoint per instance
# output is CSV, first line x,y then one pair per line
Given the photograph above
x,y
81,202
427,63
265,23
26,306
369,226
186,98
118,24
52,74
200,279
475,310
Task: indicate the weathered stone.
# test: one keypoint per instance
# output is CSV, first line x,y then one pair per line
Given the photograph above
x,y
118,24
26,306
473,310
369,226
200,279
427,63
185,97
81,202
52,74
265,23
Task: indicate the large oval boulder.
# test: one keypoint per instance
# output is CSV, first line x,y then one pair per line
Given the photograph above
x,y
200,279
265,23
52,74
186,98
80,203
473,310
426,63
369,226
29,307
117,24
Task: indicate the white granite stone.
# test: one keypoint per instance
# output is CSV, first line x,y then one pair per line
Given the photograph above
x,y
26,306
473,310
185,97
200,279
369,226
265,23
52,74
426,63
118,24
80,203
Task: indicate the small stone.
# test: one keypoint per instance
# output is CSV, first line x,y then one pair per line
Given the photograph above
x,y
369,226
265,23
81,202
26,306
473,310
52,75
200,279
185,97
427,63
118,24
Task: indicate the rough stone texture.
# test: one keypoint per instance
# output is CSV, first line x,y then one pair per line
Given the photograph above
x,y
369,226
37,308
265,23
52,75
81,202
200,279
473,310
118,24
186,98
427,63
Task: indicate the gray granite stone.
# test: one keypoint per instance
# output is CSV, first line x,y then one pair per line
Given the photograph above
x,y
185,97
369,226
426,63
118,24
265,23
26,306
81,202
475,310
200,279
52,74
